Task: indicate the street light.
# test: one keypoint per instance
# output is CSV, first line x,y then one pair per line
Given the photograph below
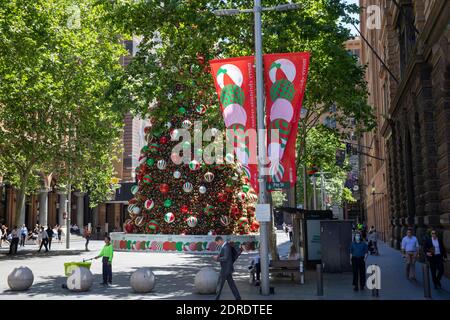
x,y
257,9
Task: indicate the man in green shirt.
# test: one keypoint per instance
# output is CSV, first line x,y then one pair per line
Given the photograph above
x,y
107,256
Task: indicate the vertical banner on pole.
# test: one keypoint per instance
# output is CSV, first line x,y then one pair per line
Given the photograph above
x,y
234,79
285,77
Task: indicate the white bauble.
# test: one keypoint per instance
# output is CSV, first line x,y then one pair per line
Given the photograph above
x,y
206,281
142,280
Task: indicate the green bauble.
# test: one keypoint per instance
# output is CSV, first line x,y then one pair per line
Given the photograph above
x,y
168,203
182,110
282,89
150,162
232,94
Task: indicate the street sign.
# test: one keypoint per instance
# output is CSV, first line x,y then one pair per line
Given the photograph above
x,y
272,186
263,212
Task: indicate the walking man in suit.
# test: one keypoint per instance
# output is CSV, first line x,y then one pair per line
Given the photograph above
x,y
436,255
226,260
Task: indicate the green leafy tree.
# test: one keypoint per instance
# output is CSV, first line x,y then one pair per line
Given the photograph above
x,y
57,59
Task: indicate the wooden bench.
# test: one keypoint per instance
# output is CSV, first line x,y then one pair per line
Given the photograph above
x,y
281,267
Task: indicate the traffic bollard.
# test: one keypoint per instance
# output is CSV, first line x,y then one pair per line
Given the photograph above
x,y
426,281
319,275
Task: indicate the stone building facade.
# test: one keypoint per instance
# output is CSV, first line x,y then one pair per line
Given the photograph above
x,y
414,41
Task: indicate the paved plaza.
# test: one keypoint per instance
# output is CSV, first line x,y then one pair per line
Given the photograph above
x,y
175,274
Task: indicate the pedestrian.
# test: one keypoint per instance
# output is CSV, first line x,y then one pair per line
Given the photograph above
x,y
290,230
256,267
227,256
50,234
107,256
87,236
23,235
285,228
293,254
5,235
358,256
410,251
15,234
436,255
373,238
59,230
1,235
43,235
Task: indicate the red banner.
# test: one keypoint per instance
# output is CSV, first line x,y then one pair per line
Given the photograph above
x,y
234,79
285,81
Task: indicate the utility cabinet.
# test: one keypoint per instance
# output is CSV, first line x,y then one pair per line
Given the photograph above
x,y
335,241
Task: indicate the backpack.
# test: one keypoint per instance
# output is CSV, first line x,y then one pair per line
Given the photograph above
x,y
234,253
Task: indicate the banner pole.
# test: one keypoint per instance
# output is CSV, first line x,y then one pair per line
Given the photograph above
x,y
264,231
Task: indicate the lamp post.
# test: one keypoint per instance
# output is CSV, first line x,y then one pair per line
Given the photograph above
x,y
264,231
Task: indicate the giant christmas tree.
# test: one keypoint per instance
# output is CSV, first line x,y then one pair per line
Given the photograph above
x,y
193,198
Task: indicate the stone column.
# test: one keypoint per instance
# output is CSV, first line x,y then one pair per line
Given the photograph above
x,y
80,210
43,206
396,187
62,209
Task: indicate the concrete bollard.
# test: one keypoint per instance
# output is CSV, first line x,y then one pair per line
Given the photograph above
x,y
20,279
142,280
319,275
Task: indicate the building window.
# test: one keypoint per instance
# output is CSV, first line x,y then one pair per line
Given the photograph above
x,y
407,36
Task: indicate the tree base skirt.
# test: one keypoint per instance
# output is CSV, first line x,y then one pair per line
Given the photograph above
x,y
203,244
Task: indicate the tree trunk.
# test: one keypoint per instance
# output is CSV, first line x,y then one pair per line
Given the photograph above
x,y
20,201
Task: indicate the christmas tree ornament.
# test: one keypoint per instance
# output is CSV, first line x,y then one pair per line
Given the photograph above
x,y
234,211
147,179
184,208
242,196
234,177
169,217
134,189
243,222
187,187
142,159
224,220
153,147
147,129
208,210
175,134
209,177
246,188
149,204
222,197
194,165
132,201
139,221
182,110
144,150
177,174
186,124
131,207
201,109
164,188
202,189
168,125
129,227
152,226
150,162
167,203
136,210
254,226
161,164
191,221
163,140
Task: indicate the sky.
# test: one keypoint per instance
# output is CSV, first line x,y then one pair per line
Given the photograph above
x,y
354,32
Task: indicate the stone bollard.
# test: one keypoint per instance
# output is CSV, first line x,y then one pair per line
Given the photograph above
x,y
80,280
20,279
142,280
206,281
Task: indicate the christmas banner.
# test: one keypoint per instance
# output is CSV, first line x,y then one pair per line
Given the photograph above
x,y
234,79
285,81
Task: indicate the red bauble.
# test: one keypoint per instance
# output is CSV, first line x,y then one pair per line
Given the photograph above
x,y
129,228
255,226
235,211
147,129
228,189
222,197
163,140
184,208
164,188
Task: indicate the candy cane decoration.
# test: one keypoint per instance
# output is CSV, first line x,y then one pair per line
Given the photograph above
x,y
282,74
